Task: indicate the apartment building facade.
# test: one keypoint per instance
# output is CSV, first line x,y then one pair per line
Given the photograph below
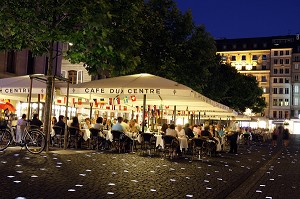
x,y
274,61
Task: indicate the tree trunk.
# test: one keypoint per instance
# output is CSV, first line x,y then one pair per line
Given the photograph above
x,y
49,96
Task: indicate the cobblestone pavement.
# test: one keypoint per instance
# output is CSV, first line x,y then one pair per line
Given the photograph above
x,y
90,174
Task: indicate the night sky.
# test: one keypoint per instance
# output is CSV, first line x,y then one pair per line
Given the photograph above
x,y
243,19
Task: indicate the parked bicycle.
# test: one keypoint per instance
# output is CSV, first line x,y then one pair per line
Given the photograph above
x,y
33,139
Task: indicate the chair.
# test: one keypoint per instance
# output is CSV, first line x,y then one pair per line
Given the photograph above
x,y
170,144
95,138
59,135
197,147
148,142
118,141
209,147
73,137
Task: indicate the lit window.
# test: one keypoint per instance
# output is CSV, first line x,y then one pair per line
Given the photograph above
x,y
79,76
296,100
264,89
280,102
296,66
63,73
286,102
296,89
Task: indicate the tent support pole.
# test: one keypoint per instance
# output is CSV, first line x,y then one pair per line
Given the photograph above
x,y
175,115
144,112
66,116
29,99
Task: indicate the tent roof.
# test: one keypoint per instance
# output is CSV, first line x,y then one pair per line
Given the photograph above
x,y
170,93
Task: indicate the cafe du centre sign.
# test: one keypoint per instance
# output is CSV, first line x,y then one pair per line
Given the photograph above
x,y
126,91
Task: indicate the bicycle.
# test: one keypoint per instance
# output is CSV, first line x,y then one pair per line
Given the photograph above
x,y
33,139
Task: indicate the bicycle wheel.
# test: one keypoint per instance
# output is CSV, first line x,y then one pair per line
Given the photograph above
x,y
35,141
5,138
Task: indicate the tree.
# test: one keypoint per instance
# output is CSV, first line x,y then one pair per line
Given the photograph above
x,y
39,24
113,47
235,90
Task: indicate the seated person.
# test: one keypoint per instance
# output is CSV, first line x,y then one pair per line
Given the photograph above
x,y
60,123
118,126
180,132
87,124
188,130
35,121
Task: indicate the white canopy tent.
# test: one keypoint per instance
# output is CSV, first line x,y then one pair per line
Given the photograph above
x,y
157,91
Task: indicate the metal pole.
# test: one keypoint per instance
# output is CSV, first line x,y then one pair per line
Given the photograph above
x,y
144,112
66,116
91,110
175,115
38,108
29,100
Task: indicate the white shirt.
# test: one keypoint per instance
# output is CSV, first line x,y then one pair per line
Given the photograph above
x,y
172,132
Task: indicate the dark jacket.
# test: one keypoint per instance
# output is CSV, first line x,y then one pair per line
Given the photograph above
x,y
36,122
188,132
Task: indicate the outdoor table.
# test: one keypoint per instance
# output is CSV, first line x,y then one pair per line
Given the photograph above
x,y
86,134
159,141
109,136
183,143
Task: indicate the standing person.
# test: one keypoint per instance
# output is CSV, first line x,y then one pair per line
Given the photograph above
x,y
232,136
21,124
285,137
275,136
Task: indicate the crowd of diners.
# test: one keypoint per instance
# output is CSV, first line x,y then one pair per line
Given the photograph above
x,y
216,133
225,139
